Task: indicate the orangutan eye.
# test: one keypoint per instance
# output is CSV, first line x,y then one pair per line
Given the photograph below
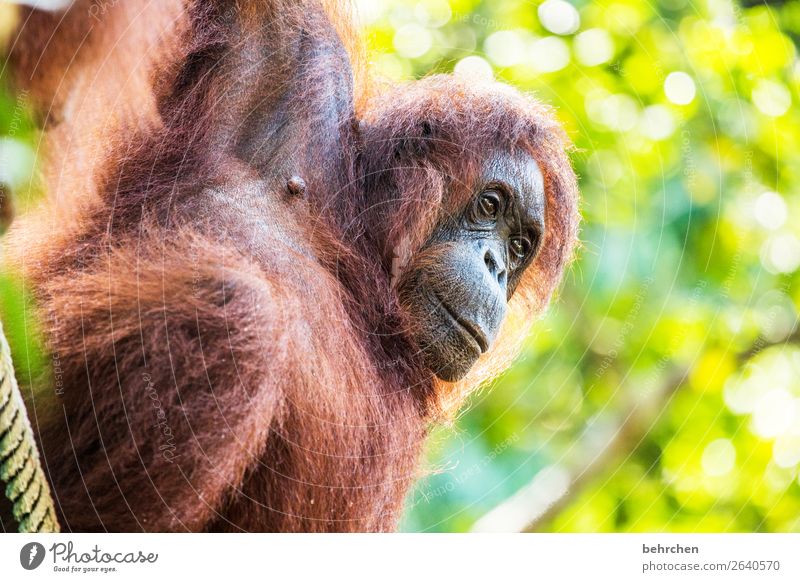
x,y
489,205
519,247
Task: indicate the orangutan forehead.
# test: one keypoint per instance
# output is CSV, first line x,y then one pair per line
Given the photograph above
x,y
521,174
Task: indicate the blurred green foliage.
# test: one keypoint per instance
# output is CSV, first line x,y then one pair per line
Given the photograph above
x,y
19,184
680,311
685,118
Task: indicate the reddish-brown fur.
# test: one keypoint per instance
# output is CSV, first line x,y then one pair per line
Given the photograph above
x,y
233,356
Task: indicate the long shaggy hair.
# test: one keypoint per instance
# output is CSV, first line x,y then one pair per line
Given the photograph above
x,y
232,358
438,131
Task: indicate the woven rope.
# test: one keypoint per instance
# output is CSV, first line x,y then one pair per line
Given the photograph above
x,y
20,469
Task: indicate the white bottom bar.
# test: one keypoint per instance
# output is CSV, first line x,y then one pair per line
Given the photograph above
x,y
548,557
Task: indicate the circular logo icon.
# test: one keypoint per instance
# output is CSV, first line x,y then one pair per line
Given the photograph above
x,y
31,555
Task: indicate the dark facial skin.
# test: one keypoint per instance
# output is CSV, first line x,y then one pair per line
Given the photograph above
x,y
457,286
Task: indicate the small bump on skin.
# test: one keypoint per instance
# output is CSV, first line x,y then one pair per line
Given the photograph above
x,y
296,186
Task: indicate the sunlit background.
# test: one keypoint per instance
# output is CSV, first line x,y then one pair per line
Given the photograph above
x,y
662,391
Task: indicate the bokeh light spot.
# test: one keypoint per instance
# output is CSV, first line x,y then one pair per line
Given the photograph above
x,y
679,88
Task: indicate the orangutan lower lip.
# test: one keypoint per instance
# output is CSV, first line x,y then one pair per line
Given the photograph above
x,y
471,329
